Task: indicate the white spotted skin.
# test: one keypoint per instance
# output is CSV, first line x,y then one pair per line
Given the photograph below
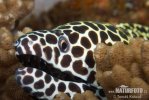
x,y
20,76
105,33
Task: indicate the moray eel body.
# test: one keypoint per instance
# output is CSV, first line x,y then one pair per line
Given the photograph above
x,y
62,60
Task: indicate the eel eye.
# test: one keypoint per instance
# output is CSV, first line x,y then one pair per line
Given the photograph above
x,y
63,44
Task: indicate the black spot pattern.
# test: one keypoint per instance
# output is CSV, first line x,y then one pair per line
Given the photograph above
x,y
80,29
29,70
55,79
25,41
57,54
127,27
85,42
90,59
67,32
37,50
134,34
111,28
103,36
142,29
61,87
74,88
47,78
19,50
39,84
91,77
28,80
48,52
113,36
25,45
102,27
125,31
51,39
93,36
57,32
33,37
73,37
91,25
123,35
49,91
78,68
39,34
38,73
66,60
77,51
42,41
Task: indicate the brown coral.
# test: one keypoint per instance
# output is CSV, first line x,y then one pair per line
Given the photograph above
x,y
8,65
23,32
62,96
14,10
122,64
87,95
6,38
13,91
113,11
117,66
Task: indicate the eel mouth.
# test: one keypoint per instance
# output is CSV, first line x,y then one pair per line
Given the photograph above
x,y
38,63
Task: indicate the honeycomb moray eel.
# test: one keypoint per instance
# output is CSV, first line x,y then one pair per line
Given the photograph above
x,y
61,59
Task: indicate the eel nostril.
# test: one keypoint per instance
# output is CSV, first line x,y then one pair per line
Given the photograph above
x,y
16,44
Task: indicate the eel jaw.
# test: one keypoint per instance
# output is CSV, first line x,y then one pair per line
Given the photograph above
x,y
37,79
43,86
37,62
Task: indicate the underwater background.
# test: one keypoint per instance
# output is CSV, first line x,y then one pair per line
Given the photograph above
x,y
17,17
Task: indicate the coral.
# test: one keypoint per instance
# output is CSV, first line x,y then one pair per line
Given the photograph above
x,y
87,95
7,52
8,65
117,65
36,22
113,11
12,11
122,64
23,32
13,91
62,96
7,58
7,38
